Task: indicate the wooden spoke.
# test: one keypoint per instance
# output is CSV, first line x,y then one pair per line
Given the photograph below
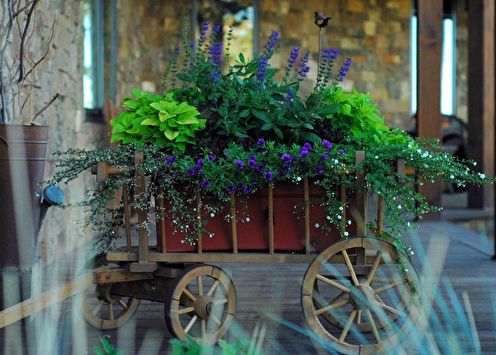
x,y
185,310
333,283
332,306
347,325
389,309
359,317
372,272
221,301
189,294
387,287
190,324
123,304
200,286
97,307
215,319
350,267
111,311
373,326
203,325
212,289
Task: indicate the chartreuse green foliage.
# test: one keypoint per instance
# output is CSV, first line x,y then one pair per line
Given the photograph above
x,y
358,115
157,119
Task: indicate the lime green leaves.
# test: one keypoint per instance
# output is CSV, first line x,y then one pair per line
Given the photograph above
x,y
157,119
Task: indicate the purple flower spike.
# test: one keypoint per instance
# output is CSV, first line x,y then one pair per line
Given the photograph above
x,y
293,56
345,68
170,160
261,141
203,34
262,68
268,175
199,164
239,164
215,54
271,44
327,145
216,28
330,54
302,68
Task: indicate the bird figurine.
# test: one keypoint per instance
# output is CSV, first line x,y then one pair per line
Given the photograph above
x,y
320,19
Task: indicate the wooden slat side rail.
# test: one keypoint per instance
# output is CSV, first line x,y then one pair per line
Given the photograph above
x,y
162,242
127,218
46,299
271,219
234,234
380,214
142,215
361,197
343,201
306,198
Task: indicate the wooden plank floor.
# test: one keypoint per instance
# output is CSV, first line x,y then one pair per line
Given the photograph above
x,y
268,291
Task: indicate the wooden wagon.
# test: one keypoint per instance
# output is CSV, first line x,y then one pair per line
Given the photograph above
x,y
353,293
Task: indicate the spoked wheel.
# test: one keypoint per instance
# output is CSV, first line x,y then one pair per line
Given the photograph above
x,y
355,295
202,304
102,309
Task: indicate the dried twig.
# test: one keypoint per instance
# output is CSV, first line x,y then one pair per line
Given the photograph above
x,y
48,104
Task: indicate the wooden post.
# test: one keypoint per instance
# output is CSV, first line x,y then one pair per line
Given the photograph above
x,y
361,198
127,218
481,43
271,219
234,233
306,198
430,15
199,235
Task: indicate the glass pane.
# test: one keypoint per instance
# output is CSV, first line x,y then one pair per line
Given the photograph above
x,y
448,68
88,78
413,65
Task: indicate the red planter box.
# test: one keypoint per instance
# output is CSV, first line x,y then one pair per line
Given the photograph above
x,y
289,224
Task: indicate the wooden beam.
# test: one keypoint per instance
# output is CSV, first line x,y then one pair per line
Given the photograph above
x,y
430,15
481,76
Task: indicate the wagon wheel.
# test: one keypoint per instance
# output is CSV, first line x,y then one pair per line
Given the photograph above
x,y
364,304
202,304
102,309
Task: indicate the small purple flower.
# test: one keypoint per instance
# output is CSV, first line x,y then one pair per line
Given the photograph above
x,y
239,164
230,189
286,157
345,68
307,146
325,156
341,151
191,171
205,184
319,170
216,28
199,164
330,54
214,76
252,161
289,97
268,175
211,157
261,141
215,54
246,189
327,145
170,160
203,34
303,153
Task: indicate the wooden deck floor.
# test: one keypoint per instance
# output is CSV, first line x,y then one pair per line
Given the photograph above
x,y
267,292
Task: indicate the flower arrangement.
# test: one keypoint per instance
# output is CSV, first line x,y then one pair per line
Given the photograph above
x,y
225,126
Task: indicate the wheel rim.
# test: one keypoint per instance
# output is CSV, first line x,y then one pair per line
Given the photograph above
x,y
106,311
202,304
364,303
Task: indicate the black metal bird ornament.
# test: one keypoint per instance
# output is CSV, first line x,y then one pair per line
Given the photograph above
x,y
320,19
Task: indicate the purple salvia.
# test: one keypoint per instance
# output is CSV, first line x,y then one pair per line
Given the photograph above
x,y
215,54
302,68
271,43
293,57
262,69
345,68
203,34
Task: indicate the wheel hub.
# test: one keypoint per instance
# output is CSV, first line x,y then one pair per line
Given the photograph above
x,y
362,296
103,292
203,306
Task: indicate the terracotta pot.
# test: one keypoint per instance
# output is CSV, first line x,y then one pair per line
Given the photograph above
x,y
289,224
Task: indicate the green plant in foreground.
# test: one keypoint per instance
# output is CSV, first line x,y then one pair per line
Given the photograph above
x,y
191,347
106,349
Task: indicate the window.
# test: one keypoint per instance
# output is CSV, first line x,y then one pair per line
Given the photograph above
x,y
448,66
93,88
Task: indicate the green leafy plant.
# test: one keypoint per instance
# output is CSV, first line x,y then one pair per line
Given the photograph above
x,y
106,348
158,120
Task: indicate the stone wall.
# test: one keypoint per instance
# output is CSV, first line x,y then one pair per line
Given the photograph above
x,y
462,61
61,73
